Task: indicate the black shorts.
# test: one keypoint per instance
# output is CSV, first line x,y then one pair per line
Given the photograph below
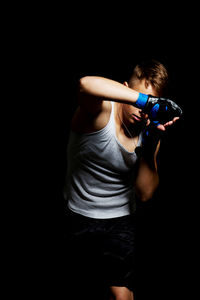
x,y
100,252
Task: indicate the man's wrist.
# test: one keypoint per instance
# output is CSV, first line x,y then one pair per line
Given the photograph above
x,y
142,100
151,137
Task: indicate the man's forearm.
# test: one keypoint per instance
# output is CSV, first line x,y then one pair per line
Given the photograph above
x,y
107,89
147,179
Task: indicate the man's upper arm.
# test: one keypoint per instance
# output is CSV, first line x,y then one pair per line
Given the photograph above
x,y
94,110
90,104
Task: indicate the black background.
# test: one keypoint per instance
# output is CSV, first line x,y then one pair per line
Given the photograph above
x,y
61,52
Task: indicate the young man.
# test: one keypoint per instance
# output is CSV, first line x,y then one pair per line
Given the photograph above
x,y
112,152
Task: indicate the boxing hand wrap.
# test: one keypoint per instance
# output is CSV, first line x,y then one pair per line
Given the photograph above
x,y
160,110
150,139
142,100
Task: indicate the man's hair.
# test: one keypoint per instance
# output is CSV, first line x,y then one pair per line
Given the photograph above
x,y
153,72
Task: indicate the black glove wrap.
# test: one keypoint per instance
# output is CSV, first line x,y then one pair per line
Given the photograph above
x,y
166,109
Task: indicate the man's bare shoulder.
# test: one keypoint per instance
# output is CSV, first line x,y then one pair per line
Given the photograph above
x,y
85,121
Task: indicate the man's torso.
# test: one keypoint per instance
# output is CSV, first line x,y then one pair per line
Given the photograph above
x,y
83,122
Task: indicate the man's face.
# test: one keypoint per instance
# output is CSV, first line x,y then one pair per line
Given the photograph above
x,y
133,114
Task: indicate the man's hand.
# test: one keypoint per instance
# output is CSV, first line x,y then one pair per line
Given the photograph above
x,y
153,133
162,112
167,124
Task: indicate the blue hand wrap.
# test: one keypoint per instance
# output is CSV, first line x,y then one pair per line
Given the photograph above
x,y
142,100
150,139
153,114
154,111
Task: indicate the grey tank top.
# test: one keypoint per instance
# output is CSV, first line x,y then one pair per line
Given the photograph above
x,y
100,174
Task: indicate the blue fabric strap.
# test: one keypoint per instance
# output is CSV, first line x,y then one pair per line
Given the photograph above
x,y
142,100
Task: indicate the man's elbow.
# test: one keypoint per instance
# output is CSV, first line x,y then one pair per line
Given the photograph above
x,y
145,196
82,84
85,83
147,193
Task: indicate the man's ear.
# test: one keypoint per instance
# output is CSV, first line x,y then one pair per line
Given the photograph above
x,y
126,83
146,83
